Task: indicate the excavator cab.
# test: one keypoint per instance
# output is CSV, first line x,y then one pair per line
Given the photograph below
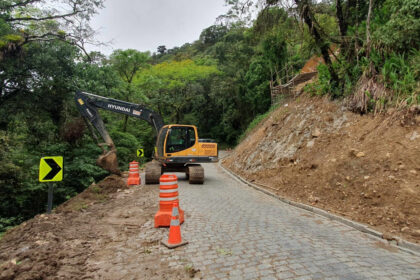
x,y
178,143
178,149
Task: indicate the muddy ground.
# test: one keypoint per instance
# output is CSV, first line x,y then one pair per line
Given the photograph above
x,y
315,151
83,238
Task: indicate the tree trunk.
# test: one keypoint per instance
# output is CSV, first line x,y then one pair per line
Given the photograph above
x,y
307,17
368,28
125,123
177,116
342,23
128,100
371,69
356,42
159,107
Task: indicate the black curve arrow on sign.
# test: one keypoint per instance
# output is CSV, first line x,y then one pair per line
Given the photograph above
x,y
55,168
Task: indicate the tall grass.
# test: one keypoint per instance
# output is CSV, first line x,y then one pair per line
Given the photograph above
x,y
401,74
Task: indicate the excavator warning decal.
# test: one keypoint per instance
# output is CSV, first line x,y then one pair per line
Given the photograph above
x,y
208,146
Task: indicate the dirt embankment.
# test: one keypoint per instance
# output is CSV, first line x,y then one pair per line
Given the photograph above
x,y
314,151
84,238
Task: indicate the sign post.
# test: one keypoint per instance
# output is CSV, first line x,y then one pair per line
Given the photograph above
x,y
50,170
50,197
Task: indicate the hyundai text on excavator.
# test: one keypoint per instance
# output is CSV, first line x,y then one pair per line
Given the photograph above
x,y
178,148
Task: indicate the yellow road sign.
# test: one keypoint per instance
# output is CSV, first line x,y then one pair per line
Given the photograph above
x,y
51,169
140,152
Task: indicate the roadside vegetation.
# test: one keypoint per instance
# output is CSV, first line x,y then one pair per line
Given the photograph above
x,y
220,82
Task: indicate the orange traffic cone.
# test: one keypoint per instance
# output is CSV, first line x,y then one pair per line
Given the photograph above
x,y
133,174
175,239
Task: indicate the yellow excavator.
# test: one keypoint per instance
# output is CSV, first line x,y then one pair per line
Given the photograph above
x,y
178,148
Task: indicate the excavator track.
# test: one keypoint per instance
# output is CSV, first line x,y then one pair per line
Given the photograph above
x,y
196,174
153,172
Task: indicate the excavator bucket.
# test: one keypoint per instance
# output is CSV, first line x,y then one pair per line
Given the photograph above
x,y
109,162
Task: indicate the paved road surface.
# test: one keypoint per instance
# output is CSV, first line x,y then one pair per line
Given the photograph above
x,y
236,232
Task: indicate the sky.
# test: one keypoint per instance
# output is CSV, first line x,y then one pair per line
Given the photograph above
x,y
146,24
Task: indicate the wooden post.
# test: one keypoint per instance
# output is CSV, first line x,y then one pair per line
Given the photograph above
x,y
50,197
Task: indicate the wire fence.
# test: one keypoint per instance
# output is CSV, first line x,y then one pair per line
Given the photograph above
x,y
279,91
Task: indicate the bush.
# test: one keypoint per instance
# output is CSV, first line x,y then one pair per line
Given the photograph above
x,y
126,145
400,76
323,85
398,25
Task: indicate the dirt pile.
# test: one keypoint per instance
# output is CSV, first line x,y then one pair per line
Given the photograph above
x,y
93,194
316,152
312,64
84,238
41,247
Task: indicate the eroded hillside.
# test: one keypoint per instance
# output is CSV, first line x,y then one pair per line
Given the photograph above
x,y
315,151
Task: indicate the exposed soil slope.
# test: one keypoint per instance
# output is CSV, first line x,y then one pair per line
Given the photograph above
x,y
314,151
95,235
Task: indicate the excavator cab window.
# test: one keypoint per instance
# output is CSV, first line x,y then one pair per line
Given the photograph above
x,y
180,138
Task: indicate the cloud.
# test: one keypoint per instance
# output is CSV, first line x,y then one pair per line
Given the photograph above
x,y
146,24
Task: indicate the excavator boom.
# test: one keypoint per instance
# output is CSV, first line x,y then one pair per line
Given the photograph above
x,y
88,105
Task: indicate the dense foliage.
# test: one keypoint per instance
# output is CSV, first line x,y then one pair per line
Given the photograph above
x,y
221,82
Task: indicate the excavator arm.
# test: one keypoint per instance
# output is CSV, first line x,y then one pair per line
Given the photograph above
x,y
88,105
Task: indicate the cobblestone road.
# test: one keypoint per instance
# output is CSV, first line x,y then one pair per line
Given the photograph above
x,y
236,232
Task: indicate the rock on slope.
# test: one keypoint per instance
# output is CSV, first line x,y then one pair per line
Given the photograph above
x,y
314,151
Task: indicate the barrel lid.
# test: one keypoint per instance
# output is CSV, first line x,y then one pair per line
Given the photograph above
x,y
168,178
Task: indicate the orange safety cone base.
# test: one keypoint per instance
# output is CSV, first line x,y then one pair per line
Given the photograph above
x,y
133,174
172,246
163,218
133,181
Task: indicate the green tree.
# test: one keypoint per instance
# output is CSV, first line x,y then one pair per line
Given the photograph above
x,y
275,53
26,21
127,63
173,85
